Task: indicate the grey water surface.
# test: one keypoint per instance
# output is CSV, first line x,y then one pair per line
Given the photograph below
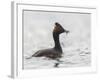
x,y
38,27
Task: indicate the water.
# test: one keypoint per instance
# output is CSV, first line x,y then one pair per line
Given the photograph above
x,y
71,58
38,28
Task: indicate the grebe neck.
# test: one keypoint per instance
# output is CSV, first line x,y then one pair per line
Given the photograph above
x,y
57,42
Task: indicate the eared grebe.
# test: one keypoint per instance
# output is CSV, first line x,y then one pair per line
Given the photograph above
x,y
56,52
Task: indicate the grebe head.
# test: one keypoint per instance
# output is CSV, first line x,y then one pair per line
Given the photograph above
x,y
59,29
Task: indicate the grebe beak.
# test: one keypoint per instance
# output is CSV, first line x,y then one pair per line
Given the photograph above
x,y
66,31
